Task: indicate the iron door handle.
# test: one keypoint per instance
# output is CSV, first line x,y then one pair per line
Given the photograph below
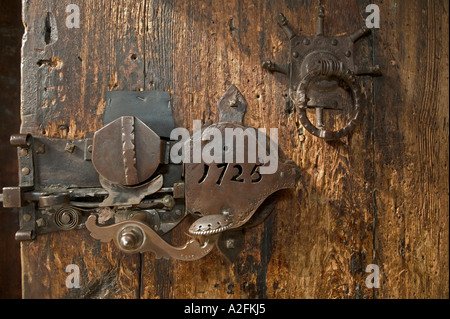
x,y
329,69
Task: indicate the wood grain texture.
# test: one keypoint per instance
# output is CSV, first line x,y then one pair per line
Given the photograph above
x,y
196,50
379,196
104,271
66,73
411,150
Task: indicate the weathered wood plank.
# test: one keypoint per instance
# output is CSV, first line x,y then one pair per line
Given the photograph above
x,y
323,242
318,240
66,73
411,150
392,173
104,271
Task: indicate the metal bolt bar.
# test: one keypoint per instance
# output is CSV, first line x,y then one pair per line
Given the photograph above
x,y
359,34
319,115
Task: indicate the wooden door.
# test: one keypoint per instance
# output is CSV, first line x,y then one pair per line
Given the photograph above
x,y
379,196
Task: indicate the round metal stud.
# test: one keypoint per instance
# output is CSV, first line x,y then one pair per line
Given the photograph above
x,y
130,238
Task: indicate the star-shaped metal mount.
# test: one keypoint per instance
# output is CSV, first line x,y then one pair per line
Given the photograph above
x,y
320,65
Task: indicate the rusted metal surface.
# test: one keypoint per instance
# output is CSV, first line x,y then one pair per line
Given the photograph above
x,y
67,218
27,222
20,140
24,143
126,151
53,164
178,190
57,197
129,151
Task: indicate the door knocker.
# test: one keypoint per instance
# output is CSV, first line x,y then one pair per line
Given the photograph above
x,y
318,66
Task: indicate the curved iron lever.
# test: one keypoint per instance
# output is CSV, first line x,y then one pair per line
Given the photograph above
x,y
134,236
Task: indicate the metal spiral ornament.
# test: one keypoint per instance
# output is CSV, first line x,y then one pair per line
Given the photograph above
x,y
67,218
331,68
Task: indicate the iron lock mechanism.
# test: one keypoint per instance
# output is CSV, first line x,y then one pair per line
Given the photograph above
x,y
319,65
122,185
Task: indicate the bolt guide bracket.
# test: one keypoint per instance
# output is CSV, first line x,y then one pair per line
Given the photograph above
x,y
126,184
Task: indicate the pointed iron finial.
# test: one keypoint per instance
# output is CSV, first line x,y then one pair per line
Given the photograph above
x,y
232,105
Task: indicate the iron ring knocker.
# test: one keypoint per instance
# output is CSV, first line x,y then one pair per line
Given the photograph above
x,y
330,69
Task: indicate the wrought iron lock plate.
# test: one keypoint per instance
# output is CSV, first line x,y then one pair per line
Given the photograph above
x,y
318,66
227,194
123,187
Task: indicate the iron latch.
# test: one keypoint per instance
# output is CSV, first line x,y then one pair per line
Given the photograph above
x,y
123,184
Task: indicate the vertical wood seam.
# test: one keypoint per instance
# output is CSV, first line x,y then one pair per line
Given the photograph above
x,y
141,285
374,167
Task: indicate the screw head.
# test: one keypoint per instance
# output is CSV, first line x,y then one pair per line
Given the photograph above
x,y
23,152
295,54
70,147
25,171
229,243
40,222
348,54
233,102
334,42
65,218
226,213
306,41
